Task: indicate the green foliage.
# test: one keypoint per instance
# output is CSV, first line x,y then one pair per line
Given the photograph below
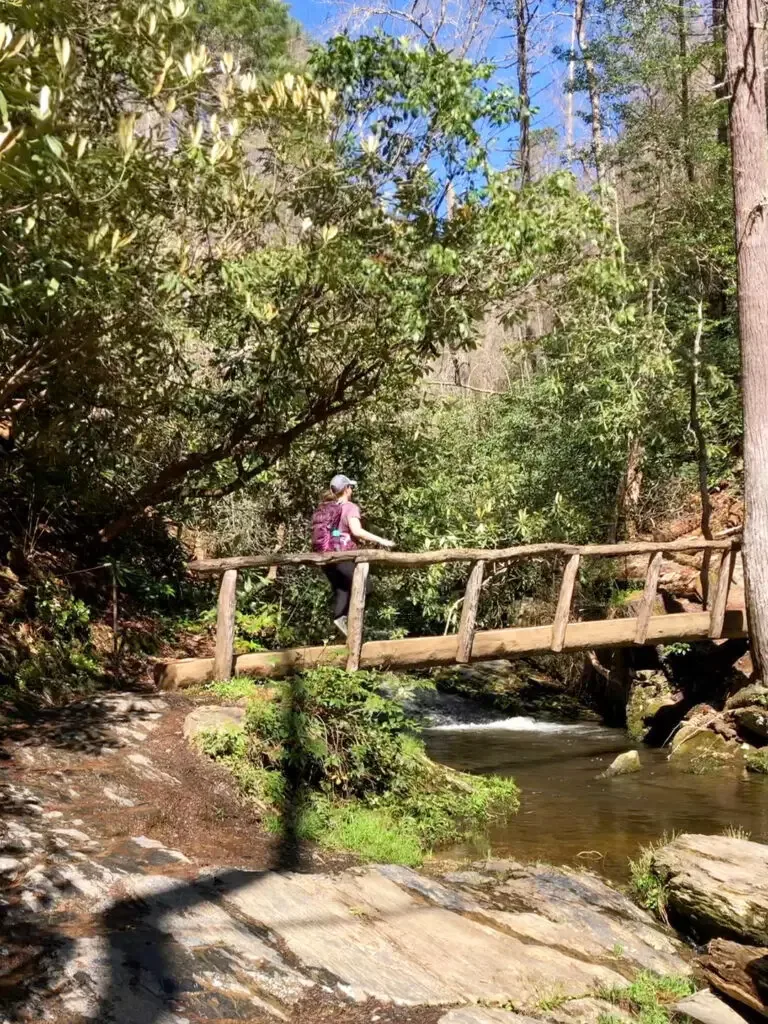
x,y
335,761
233,689
375,834
55,659
260,31
650,997
334,731
757,761
646,887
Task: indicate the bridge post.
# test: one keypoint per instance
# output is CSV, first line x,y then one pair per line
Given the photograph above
x,y
720,602
469,614
563,612
649,597
225,626
356,616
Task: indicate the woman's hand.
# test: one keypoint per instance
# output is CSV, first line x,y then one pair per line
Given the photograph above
x,y
388,544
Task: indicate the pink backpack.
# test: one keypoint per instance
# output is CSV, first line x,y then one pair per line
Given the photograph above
x,y
325,523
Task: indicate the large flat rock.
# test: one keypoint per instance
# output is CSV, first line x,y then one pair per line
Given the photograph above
x,y
383,942
717,886
575,913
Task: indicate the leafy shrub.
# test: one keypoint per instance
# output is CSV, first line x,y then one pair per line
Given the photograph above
x,y
646,887
55,658
330,752
333,731
757,761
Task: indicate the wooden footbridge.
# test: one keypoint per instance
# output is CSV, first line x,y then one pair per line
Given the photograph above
x,y
468,644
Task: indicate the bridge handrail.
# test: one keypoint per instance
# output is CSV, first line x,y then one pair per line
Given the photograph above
x,y
479,557
419,559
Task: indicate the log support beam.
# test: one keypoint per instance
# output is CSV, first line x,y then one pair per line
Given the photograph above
x,y
356,618
225,626
469,614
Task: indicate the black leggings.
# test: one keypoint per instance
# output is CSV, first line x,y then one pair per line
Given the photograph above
x,y
340,578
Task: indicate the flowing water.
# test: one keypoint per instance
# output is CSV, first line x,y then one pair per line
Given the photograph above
x,y
568,814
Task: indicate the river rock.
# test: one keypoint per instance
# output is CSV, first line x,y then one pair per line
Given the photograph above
x,y
574,912
211,717
754,722
9,865
753,694
706,1008
653,710
625,764
484,1015
716,886
698,749
386,943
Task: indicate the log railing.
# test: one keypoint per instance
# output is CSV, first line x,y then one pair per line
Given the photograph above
x,y
574,555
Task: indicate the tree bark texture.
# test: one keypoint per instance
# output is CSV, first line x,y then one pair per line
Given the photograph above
x,y
522,21
685,90
593,88
739,972
749,150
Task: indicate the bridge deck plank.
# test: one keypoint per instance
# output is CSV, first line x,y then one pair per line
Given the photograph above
x,y
424,652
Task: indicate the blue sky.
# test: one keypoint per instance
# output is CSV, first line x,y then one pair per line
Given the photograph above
x,y
547,92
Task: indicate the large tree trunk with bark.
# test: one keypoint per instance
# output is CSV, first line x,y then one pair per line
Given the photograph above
x,y
685,90
749,150
522,21
593,87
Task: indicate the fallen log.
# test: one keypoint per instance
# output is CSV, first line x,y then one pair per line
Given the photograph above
x,y
739,972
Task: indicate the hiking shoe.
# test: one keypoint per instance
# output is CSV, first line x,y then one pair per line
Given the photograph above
x,y
341,624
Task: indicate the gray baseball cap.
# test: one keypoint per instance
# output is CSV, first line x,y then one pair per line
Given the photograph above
x,y
340,481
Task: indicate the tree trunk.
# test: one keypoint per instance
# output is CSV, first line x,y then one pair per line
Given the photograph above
x,y
702,453
749,151
719,74
580,13
522,20
628,493
685,91
569,97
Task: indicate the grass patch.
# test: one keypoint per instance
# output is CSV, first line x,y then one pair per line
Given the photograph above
x,y
233,689
645,886
757,761
649,998
331,758
736,832
553,1001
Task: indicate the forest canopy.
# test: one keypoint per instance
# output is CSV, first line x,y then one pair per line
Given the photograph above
x,y
235,263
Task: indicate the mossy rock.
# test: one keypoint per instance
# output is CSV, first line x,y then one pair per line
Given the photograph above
x,y
757,761
753,695
650,695
700,751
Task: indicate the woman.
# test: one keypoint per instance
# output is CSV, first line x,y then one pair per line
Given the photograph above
x,y
336,526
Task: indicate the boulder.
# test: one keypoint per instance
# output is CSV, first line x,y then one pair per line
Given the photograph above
x,y
569,912
484,1015
625,764
706,1008
716,886
653,710
748,695
739,972
211,717
753,722
699,749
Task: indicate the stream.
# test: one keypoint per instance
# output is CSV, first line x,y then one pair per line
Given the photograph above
x,y
568,814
